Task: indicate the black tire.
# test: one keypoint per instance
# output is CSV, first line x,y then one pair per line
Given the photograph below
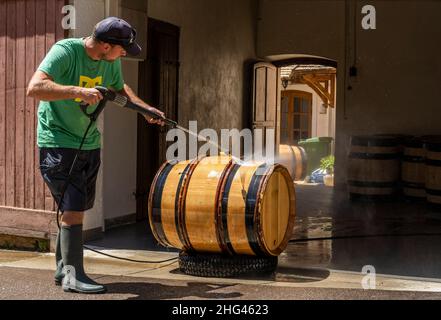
x,y
221,266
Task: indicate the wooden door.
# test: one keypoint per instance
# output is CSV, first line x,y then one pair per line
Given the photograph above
x,y
28,29
295,117
266,106
158,86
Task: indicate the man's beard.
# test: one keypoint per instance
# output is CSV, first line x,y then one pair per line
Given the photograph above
x,y
106,58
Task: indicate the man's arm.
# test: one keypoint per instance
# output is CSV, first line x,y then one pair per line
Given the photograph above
x,y
43,87
128,92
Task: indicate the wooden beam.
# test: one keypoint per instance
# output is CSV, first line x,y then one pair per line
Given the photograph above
x,y
317,90
323,85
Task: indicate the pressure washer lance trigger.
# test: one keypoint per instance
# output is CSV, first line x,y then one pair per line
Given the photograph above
x,y
107,96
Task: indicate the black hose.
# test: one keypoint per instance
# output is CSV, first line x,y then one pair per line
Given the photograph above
x,y
72,166
127,259
92,118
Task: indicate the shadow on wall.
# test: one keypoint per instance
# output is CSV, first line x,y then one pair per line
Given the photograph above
x,y
247,91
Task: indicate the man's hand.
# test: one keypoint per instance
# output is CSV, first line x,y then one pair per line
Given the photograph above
x,y
153,120
127,92
90,96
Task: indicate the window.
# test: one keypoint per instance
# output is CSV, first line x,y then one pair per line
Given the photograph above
x,y
296,116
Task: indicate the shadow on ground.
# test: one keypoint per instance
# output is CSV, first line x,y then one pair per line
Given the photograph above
x,y
157,291
282,274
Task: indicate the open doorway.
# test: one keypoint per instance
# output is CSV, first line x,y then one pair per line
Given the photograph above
x,y
307,120
158,86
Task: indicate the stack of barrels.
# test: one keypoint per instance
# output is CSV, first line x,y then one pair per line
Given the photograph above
x,y
218,205
383,166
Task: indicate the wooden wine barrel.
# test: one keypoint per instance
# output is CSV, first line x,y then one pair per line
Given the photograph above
x,y
433,170
413,167
401,139
294,159
373,166
216,205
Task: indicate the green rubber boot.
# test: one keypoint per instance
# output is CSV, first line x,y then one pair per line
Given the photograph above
x,y
75,279
59,274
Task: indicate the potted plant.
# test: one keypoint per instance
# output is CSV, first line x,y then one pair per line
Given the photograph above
x,y
327,164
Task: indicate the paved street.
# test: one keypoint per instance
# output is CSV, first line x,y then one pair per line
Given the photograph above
x,y
18,283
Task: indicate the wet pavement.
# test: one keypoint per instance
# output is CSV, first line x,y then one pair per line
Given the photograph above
x,y
333,240
399,237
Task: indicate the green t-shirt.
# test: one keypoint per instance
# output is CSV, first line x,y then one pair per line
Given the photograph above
x,y
62,124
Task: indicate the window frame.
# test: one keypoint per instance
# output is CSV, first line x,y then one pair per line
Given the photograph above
x,y
287,135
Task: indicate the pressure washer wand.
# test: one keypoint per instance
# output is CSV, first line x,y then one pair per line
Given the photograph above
x,y
122,101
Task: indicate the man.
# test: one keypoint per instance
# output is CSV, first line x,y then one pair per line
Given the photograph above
x,y
66,77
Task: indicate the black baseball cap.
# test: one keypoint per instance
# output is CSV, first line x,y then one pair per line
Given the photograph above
x,y
114,30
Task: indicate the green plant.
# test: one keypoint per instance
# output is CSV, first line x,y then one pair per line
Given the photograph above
x,y
41,245
327,164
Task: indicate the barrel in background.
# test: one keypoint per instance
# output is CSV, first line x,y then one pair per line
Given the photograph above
x,y
433,170
374,166
401,139
294,159
413,169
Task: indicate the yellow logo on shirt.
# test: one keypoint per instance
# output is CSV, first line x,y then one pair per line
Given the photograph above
x,y
87,82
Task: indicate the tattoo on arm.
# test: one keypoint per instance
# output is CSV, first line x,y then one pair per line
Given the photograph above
x,y
43,87
128,92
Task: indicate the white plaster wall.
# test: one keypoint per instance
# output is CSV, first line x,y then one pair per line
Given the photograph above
x,y
119,166
216,39
117,177
88,13
120,138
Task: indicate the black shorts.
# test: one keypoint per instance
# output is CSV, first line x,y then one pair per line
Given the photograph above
x,y
55,164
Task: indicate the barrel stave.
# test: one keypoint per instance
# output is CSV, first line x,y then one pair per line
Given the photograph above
x,y
413,169
433,172
202,202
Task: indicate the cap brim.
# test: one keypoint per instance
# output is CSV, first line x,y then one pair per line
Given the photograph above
x,y
134,49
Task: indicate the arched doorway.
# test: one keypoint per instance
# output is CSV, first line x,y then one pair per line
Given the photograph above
x,y
302,102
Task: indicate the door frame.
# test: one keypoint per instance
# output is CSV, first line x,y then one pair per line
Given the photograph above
x,y
149,88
